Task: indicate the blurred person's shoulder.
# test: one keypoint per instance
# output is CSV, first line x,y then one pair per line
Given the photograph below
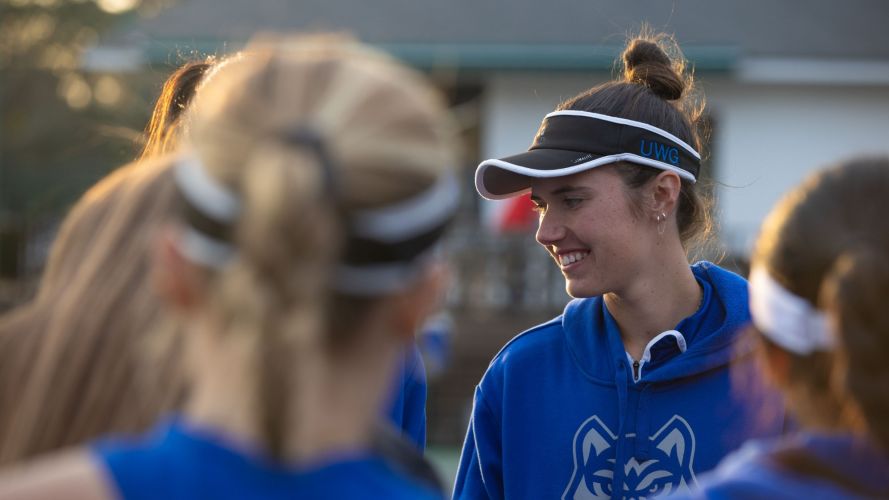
x,y
71,474
753,472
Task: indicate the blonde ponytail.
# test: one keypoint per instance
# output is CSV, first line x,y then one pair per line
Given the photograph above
x,y
287,239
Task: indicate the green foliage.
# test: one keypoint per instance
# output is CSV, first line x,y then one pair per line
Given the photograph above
x,y
62,127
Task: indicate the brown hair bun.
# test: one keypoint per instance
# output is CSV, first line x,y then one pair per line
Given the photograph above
x,y
646,63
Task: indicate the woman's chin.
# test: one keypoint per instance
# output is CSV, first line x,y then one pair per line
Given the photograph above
x,y
577,289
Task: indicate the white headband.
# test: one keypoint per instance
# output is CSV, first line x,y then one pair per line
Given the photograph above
x,y
409,218
788,320
390,225
204,250
205,192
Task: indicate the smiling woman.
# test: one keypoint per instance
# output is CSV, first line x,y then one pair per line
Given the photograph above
x,y
615,398
591,231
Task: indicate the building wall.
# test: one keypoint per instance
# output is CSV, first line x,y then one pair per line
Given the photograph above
x,y
515,103
770,137
766,137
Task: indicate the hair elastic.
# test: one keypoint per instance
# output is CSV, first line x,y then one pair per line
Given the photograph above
x,y
788,320
310,138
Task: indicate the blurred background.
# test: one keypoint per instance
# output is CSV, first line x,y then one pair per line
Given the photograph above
x,y
790,86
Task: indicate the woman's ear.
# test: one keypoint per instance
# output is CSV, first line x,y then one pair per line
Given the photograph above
x,y
413,306
665,189
177,280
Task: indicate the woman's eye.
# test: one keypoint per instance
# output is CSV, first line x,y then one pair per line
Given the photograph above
x,y
572,202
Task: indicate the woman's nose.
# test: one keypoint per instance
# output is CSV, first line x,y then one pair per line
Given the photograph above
x,y
549,230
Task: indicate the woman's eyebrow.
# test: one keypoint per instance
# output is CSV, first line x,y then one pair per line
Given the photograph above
x,y
560,191
569,189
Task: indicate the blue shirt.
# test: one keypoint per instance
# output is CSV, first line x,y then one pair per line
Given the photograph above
x,y
753,472
179,461
562,413
408,409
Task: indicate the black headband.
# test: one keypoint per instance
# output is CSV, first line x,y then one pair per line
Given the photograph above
x,y
210,209
574,141
384,246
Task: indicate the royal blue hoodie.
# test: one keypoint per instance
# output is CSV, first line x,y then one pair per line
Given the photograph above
x,y
840,467
179,461
559,415
408,409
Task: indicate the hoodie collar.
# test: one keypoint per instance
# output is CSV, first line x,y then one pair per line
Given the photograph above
x,y
591,332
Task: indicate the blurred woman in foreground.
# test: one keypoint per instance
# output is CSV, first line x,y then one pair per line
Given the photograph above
x,y
165,131
818,287
72,361
313,196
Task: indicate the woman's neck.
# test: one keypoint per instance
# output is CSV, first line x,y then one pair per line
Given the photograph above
x,y
663,295
334,403
223,379
344,403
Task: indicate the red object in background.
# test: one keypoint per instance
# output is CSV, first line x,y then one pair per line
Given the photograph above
x,y
517,215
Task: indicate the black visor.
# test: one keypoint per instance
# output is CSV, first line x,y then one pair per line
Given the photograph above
x,y
575,141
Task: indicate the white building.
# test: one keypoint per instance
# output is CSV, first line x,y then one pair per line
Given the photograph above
x,y
791,86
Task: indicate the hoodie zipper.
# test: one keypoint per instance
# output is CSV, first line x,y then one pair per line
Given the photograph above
x,y
646,354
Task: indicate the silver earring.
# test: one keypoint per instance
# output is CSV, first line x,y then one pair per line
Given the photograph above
x,y
662,223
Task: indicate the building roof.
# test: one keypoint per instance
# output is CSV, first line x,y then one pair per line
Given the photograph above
x,y
534,33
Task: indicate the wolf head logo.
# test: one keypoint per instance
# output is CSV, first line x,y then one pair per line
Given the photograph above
x,y
669,468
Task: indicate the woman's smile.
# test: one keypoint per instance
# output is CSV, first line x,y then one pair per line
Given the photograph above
x,y
588,207
570,259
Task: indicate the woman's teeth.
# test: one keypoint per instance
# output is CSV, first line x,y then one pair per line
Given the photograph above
x,y
571,258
